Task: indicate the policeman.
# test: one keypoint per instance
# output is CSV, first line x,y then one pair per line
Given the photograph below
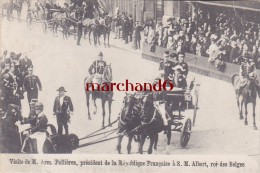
x,y
79,31
37,130
63,108
184,65
165,67
98,66
32,84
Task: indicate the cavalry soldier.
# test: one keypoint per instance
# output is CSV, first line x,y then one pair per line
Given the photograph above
x,y
63,108
165,67
247,71
38,128
32,84
98,66
184,65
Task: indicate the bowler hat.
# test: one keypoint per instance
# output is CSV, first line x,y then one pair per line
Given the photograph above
x,y
61,89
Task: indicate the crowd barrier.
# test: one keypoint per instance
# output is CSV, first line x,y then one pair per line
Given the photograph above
x,y
197,64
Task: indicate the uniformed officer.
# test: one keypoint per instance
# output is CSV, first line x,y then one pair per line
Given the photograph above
x,y
32,84
25,63
63,108
185,67
165,67
79,31
98,66
247,71
38,128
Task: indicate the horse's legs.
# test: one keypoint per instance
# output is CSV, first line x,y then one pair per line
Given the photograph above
x,y
103,111
246,123
254,104
109,110
108,35
169,134
130,138
89,34
105,39
156,141
87,99
94,102
120,138
142,140
240,103
152,139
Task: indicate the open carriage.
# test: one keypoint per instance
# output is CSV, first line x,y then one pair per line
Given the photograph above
x,y
12,140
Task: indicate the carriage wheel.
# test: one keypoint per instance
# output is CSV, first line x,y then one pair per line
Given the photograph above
x,y
29,23
185,135
45,27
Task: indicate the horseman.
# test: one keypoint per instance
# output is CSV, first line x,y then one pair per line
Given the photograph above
x,y
38,128
96,70
247,72
165,67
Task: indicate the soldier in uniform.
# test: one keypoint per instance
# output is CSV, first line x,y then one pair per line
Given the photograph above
x,y
32,84
247,71
185,67
165,67
98,66
63,108
25,63
79,31
38,128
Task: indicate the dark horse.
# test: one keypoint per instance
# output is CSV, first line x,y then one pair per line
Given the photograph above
x,y
105,28
105,96
9,133
248,95
129,120
152,123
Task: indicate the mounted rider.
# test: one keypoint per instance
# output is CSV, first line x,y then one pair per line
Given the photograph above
x,y
96,70
38,128
247,71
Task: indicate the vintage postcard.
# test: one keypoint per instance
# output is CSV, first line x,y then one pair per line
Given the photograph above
x,y
129,86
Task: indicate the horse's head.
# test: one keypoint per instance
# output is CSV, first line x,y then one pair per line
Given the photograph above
x,y
250,87
107,75
148,107
129,108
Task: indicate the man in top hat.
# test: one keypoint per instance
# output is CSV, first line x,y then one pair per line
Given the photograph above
x,y
63,108
184,65
165,67
137,35
32,84
25,63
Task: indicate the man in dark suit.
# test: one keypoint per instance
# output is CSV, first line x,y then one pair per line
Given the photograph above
x,y
32,84
137,35
79,31
63,108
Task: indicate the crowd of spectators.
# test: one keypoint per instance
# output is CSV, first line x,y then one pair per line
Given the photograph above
x,y
223,37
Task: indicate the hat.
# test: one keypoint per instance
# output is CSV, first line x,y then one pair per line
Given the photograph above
x,y
100,54
166,53
178,67
30,68
61,89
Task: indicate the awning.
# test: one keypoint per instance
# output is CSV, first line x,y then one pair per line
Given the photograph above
x,y
244,5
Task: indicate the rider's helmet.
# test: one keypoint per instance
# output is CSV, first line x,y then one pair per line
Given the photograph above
x,y
100,56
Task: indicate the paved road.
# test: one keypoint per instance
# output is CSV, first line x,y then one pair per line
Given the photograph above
x,y
57,62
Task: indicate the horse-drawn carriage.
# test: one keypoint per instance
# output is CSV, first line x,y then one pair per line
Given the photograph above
x,y
13,141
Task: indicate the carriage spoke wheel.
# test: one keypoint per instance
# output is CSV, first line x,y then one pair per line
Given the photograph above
x,y
185,135
45,27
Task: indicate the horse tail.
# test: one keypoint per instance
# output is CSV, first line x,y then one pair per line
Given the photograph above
x,y
84,84
233,79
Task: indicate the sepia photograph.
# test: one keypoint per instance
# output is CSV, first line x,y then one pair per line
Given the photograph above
x,y
129,86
